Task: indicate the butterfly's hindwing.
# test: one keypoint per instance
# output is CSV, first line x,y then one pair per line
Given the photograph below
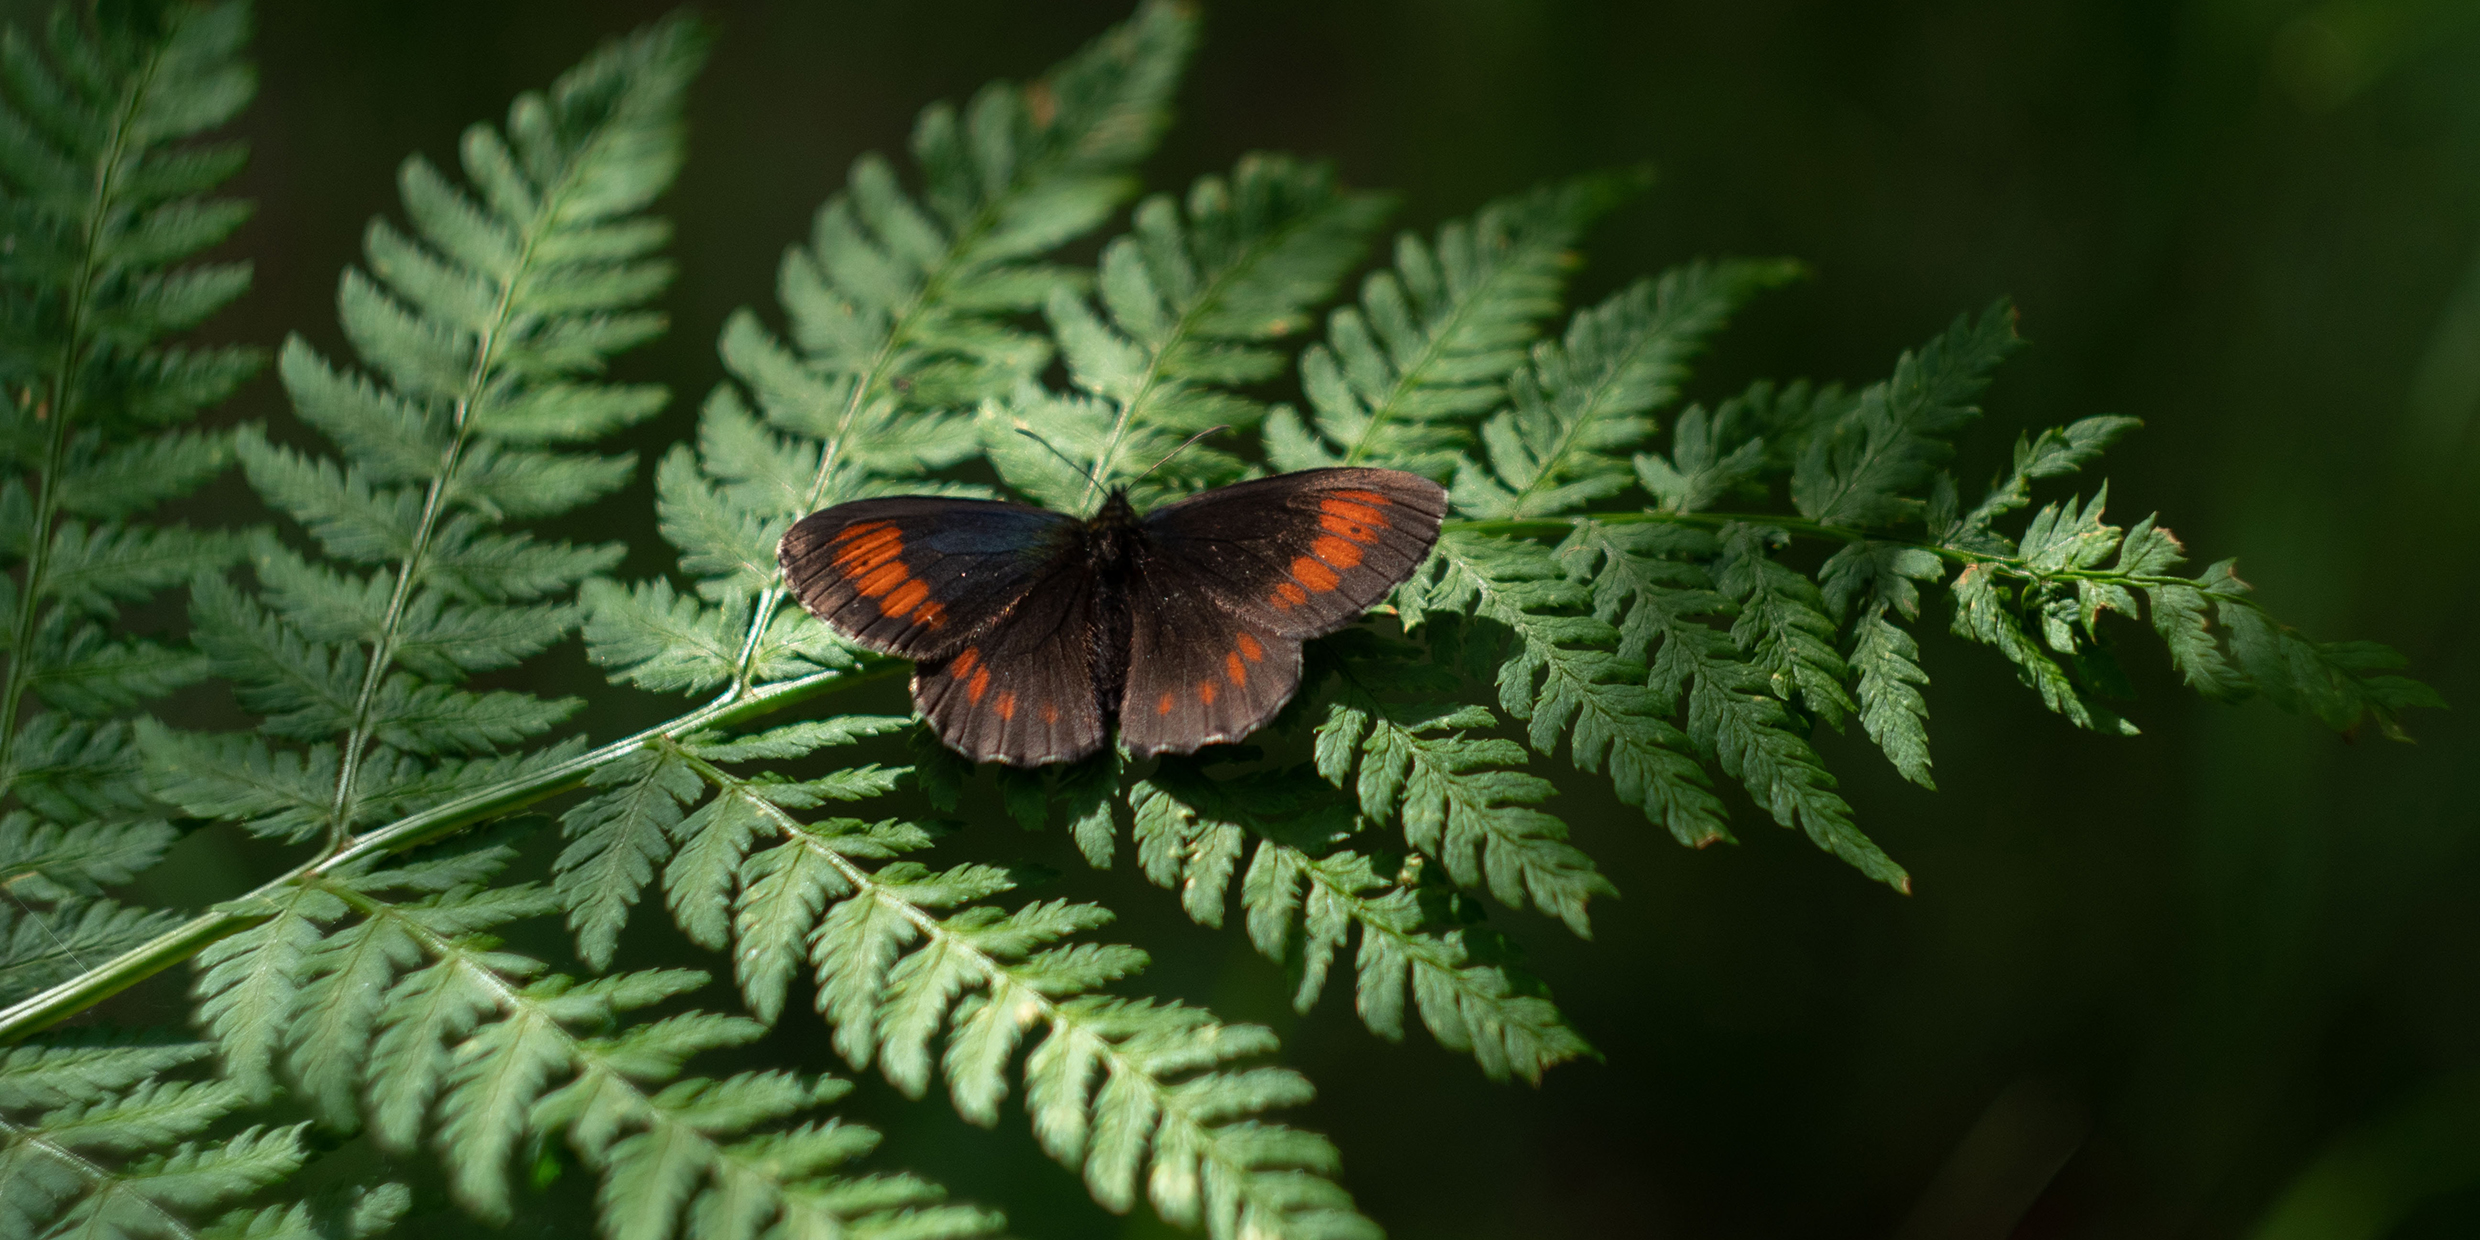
x,y
1197,673
1022,691
1302,554
916,576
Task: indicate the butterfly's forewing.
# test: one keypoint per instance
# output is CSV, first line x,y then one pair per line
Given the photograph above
x,y
1022,690
1232,580
1302,554
916,576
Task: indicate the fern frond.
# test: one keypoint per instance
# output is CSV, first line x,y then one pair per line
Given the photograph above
x,y
1580,406
1191,832
1782,626
1191,299
1401,375
900,309
1457,796
103,184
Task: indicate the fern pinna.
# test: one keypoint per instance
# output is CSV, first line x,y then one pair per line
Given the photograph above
x,y
1669,598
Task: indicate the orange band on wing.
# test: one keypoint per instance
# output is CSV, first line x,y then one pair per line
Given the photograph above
x,y
1336,551
1314,575
913,593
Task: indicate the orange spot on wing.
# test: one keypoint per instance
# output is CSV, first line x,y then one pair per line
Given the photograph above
x,y
1371,498
881,579
930,615
1050,712
979,685
1250,648
1336,551
913,593
1006,705
1288,595
1206,689
1163,707
1234,668
962,665
1314,575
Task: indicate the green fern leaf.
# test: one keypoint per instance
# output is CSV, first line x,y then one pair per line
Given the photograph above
x,y
1581,405
1651,585
1862,584
1782,625
1432,341
1190,299
616,841
1864,469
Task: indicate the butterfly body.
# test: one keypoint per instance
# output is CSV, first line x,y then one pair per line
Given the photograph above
x,y
1034,632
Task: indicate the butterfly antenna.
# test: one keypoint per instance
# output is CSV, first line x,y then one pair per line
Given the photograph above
x,y
1178,450
1080,469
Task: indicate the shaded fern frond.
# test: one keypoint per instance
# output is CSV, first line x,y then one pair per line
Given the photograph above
x,y
104,197
1401,375
106,1139
1580,406
1457,796
1191,299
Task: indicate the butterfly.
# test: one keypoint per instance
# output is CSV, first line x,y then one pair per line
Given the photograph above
x,y
1033,631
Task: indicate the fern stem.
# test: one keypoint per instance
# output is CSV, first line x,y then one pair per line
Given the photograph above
x,y
1798,527
73,350
49,1007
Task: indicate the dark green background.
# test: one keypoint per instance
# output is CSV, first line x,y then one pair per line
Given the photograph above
x,y
2145,985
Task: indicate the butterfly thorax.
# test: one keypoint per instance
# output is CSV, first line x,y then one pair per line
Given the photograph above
x,y
1113,548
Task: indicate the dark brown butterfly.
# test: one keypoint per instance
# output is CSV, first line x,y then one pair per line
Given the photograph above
x,y
1034,631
